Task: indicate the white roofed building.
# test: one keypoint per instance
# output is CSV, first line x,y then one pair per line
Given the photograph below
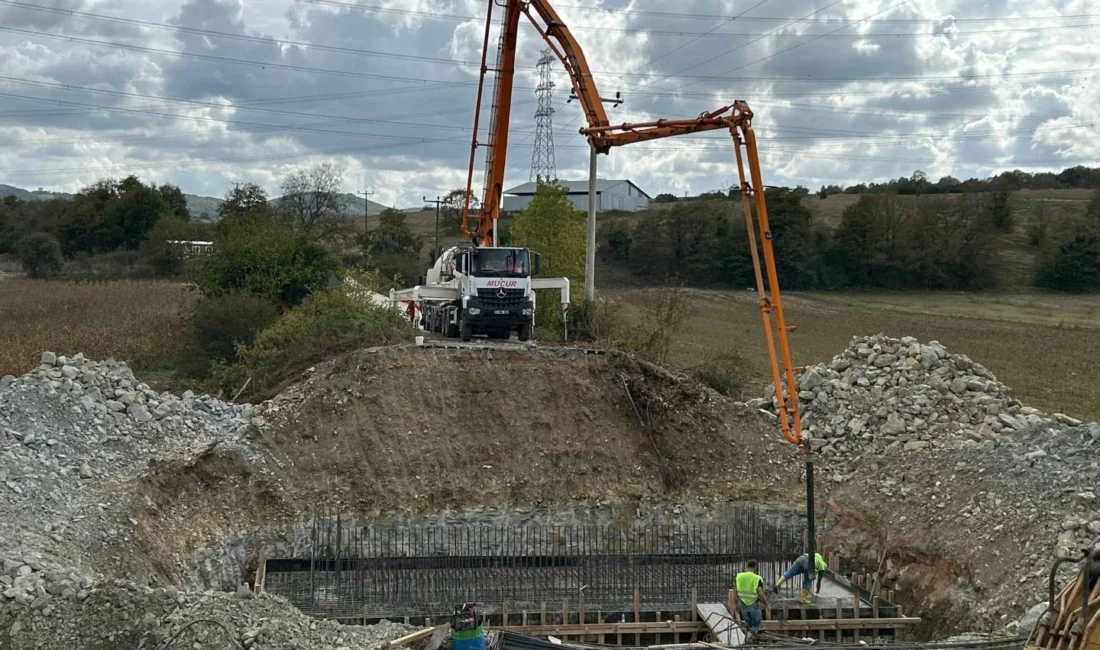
x,y
610,195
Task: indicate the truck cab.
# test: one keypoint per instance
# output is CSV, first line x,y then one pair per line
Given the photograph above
x,y
496,293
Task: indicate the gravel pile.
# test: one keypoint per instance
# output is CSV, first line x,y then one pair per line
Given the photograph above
x,y
72,429
118,614
884,395
926,440
75,434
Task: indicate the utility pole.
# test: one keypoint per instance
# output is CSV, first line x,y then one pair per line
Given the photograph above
x,y
590,247
437,202
366,211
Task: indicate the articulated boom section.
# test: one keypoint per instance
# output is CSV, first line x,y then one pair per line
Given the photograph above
x,y
602,136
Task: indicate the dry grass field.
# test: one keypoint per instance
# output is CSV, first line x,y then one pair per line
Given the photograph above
x,y
139,322
1045,347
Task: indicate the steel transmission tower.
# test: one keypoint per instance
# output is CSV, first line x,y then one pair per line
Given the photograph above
x,y
543,165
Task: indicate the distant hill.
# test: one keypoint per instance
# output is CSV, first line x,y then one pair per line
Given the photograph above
x,y
353,206
31,195
197,205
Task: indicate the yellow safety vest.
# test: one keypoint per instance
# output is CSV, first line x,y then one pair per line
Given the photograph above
x,y
819,562
747,584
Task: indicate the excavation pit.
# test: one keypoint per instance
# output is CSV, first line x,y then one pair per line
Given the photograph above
x,y
639,584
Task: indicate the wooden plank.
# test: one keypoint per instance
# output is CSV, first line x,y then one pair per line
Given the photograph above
x,y
855,613
665,627
542,615
261,571
411,637
721,624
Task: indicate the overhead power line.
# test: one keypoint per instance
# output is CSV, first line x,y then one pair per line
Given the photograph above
x,y
819,134
460,141
444,82
416,57
698,16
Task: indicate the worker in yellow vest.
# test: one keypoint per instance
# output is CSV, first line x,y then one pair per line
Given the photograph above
x,y
749,596
802,565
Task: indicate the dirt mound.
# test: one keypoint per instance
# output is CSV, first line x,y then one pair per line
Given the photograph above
x,y
420,429
402,431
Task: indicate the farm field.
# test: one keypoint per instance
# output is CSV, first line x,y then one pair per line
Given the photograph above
x,y
140,322
1044,346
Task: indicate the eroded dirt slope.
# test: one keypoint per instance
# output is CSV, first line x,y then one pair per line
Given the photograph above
x,y
417,430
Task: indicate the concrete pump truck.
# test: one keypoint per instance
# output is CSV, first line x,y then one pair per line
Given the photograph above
x,y
459,282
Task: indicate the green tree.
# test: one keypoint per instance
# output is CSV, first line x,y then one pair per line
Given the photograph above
x,y
1076,265
450,210
219,325
133,213
550,226
392,249
614,238
393,236
664,197
1001,211
175,200
270,260
1039,227
244,204
40,255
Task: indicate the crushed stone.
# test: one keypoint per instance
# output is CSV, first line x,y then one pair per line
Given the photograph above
x,y
74,433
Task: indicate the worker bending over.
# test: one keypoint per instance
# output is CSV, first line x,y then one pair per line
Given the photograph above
x,y
749,596
802,565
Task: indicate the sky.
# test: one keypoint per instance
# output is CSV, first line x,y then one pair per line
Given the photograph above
x,y
207,93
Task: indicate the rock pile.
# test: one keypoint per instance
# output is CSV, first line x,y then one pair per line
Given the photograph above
x,y
887,395
70,428
123,615
73,434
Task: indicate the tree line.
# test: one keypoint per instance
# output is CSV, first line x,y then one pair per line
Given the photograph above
x,y
883,241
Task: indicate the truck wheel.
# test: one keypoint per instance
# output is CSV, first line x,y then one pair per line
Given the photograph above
x,y
467,331
450,329
525,331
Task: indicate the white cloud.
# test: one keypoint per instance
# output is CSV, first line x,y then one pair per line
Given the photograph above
x,y
949,95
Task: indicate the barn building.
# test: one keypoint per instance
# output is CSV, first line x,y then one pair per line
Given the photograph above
x,y
610,195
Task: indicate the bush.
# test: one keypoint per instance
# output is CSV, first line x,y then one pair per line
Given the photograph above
x,y
664,197
1039,227
40,255
1075,267
219,325
724,374
650,336
326,323
268,260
